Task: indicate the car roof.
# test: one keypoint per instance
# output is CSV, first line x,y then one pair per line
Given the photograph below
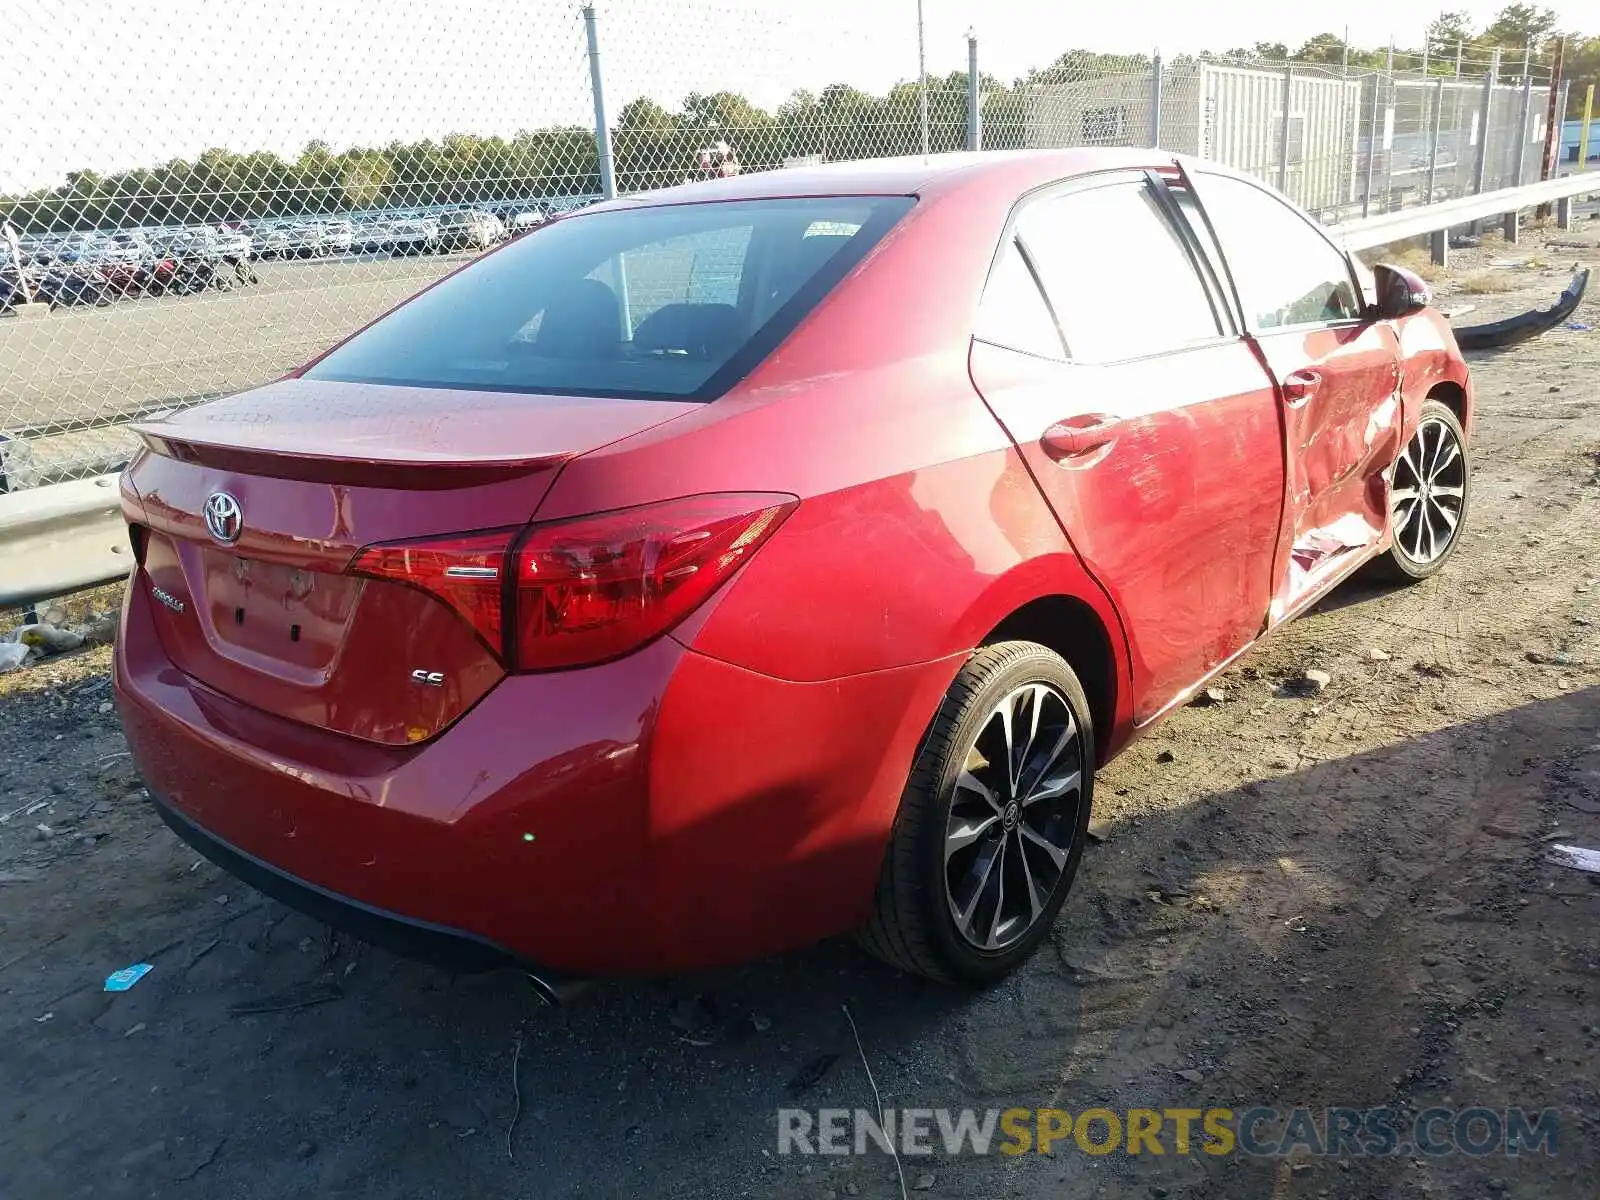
x,y
905,176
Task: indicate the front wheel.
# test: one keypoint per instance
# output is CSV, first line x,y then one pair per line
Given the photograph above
x,y
1430,486
992,822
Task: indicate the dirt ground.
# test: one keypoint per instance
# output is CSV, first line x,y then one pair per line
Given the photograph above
x,y
1338,899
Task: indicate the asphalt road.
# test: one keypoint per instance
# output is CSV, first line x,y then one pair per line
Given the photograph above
x,y
83,364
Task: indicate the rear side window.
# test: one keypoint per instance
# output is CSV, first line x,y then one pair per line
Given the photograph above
x,y
1014,313
672,302
1119,279
1284,269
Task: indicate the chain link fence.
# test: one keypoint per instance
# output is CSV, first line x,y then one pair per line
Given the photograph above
x,y
256,180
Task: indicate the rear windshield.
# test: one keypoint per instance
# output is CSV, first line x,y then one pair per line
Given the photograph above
x,y
675,302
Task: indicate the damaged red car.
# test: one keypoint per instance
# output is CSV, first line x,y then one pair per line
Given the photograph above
x,y
775,557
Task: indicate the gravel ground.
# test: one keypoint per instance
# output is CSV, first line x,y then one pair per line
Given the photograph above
x,y
1336,899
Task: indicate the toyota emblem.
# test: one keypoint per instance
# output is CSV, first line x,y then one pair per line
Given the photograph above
x,y
224,517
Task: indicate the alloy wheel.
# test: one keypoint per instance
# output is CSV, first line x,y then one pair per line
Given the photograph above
x,y
1013,816
1428,494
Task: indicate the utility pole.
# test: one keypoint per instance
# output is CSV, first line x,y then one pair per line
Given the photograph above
x,y
1552,124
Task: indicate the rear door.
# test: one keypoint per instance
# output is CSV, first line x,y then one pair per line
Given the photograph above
x,y
1147,420
1338,379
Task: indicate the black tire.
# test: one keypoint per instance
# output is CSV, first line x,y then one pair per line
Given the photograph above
x,y
914,925
1407,560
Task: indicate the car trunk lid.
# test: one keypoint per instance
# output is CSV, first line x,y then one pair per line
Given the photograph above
x,y
259,602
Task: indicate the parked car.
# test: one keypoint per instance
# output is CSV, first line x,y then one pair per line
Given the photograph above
x,y
12,291
69,285
97,250
411,235
151,276
205,242
809,597
271,240
524,220
468,229
338,237
234,244
190,243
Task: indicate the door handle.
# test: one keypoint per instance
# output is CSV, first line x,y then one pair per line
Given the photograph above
x,y
1071,441
1300,386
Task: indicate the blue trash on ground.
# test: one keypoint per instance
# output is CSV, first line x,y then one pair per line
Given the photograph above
x,y
121,981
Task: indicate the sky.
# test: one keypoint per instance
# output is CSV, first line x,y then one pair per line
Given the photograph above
x,y
111,84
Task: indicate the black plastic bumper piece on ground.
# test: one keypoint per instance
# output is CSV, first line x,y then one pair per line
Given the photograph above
x,y
1497,335
405,936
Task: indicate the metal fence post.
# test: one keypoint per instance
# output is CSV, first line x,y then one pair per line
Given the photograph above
x,y
1283,132
1372,149
1522,130
1391,113
1485,108
602,130
1155,100
1433,141
1561,121
922,82
974,96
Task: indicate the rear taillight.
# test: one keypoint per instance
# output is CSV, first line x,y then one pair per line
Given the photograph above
x,y
467,572
588,589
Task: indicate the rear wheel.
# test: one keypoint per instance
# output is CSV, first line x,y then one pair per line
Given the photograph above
x,y
1429,490
992,822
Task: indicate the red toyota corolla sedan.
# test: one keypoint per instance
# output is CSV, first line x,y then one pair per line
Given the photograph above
x,y
726,568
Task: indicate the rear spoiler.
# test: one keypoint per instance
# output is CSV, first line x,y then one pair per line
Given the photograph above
x,y
412,471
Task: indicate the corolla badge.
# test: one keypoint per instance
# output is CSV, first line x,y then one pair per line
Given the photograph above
x,y
224,517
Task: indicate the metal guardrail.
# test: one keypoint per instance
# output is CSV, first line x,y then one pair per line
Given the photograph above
x,y
1437,218
65,537
60,539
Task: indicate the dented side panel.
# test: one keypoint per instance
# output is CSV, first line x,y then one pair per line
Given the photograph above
x,y
1430,357
1339,440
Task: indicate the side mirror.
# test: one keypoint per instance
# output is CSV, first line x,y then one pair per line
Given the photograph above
x,y
1400,292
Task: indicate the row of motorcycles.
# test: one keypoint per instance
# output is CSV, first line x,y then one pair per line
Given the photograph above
x,y
70,284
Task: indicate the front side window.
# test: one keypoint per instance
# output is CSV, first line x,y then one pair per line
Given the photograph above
x,y
670,302
1120,281
1286,272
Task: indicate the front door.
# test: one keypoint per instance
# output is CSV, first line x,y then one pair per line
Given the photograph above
x,y
1148,422
1338,380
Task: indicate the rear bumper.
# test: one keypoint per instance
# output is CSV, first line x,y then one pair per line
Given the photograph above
x,y
403,935
659,813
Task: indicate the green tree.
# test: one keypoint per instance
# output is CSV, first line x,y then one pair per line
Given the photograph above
x,y
1519,25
